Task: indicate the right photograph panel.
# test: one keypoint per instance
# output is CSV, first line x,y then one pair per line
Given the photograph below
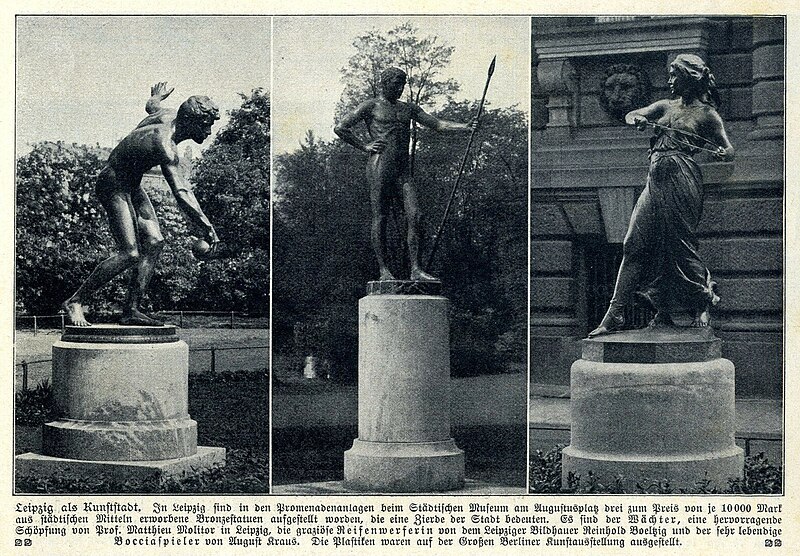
x,y
657,187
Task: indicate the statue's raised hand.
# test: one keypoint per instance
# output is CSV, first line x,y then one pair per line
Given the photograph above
x,y
158,90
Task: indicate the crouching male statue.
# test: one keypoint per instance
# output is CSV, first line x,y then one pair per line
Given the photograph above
x,y
133,222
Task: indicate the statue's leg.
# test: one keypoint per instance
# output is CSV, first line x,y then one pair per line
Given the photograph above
x,y
380,204
627,278
123,229
634,255
151,243
413,218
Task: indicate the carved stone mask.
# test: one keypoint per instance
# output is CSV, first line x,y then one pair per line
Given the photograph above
x,y
625,87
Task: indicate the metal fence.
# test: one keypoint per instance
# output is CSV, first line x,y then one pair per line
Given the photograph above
x,y
25,365
58,321
40,322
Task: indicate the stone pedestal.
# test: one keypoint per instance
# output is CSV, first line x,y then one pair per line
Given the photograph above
x,y
121,396
653,405
404,442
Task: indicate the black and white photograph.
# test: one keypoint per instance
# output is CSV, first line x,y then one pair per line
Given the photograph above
x,y
657,195
142,152
400,254
399,278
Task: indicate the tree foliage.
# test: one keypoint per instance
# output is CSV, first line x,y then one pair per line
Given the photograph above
x,y
232,184
323,257
62,230
422,59
59,226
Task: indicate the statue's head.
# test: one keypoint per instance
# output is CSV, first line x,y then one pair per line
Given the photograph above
x,y
624,88
393,81
689,74
196,116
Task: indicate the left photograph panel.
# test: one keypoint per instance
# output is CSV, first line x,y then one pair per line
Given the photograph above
x,y
142,254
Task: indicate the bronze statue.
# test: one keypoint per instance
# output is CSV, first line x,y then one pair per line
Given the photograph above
x,y
388,122
660,247
133,222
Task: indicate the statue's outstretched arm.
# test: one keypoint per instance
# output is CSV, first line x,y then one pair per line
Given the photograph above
x,y
419,115
182,190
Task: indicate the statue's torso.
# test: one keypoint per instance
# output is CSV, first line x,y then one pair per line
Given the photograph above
x,y
390,122
691,119
144,147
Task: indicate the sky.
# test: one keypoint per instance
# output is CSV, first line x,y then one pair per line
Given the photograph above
x,y
86,79
309,52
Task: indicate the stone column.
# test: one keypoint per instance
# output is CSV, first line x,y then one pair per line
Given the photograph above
x,y
768,77
404,442
121,396
653,405
558,79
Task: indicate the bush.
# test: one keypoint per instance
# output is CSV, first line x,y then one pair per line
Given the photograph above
x,y
244,471
35,407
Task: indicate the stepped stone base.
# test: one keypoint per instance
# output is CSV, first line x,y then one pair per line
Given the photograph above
x,y
404,466
404,441
47,466
121,397
651,406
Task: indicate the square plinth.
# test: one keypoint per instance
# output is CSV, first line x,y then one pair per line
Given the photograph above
x,y
48,466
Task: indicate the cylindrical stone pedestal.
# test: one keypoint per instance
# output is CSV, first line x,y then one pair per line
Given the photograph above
x,y
404,442
121,399
121,394
650,406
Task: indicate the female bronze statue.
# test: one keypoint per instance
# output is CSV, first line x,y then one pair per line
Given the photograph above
x,y
660,247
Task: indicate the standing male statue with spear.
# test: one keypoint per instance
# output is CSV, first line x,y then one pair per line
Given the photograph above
x,y
388,122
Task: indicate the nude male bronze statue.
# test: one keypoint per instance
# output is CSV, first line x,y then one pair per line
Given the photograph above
x,y
388,121
661,248
133,222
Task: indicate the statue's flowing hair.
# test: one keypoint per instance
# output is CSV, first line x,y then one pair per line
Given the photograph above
x,y
696,69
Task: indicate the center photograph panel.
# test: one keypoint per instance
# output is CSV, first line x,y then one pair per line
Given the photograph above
x,y
400,254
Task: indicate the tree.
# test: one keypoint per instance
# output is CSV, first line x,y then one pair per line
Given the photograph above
x,y
59,235
62,232
323,257
232,184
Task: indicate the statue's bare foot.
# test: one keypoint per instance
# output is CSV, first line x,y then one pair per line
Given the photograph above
x,y
610,323
386,275
419,275
702,318
75,313
661,319
134,317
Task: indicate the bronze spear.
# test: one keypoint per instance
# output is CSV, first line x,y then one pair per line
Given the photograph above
x,y
440,229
